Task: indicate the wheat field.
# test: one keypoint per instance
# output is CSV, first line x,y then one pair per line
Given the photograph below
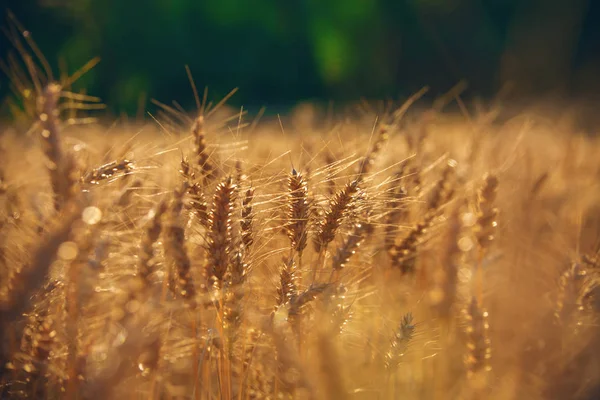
x,y
374,254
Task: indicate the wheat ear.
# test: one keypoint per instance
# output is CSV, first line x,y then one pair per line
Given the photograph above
x,y
298,211
146,259
61,165
206,166
478,343
197,203
219,239
181,283
334,216
403,254
400,341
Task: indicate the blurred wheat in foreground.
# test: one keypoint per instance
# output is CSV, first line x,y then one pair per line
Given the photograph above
x,y
381,256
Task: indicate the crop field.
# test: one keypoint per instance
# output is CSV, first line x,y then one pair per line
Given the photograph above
x,y
376,253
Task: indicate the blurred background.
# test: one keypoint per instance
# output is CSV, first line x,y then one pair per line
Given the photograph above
x,y
281,52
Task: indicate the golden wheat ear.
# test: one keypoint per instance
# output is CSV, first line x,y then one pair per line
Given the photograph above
x,y
335,214
298,211
287,289
108,171
399,343
146,256
61,164
350,246
403,255
208,170
443,190
181,283
247,221
478,348
219,236
486,219
240,267
197,202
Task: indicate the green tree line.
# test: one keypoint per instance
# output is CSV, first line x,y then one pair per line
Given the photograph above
x,y
279,52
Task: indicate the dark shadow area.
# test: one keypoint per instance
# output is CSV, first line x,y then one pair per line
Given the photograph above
x,y
279,53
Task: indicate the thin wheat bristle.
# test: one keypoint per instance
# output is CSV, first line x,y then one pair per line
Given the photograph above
x,y
198,205
368,162
398,211
330,164
125,195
